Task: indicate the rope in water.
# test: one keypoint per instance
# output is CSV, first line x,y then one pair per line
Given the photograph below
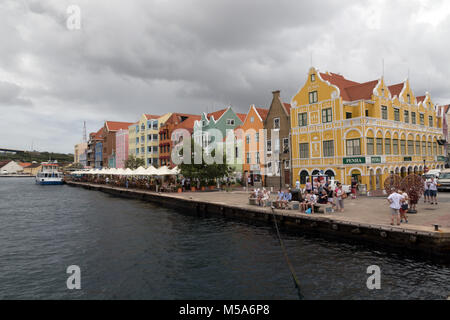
x,y
291,268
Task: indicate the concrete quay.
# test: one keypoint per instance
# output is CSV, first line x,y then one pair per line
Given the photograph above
x,y
365,220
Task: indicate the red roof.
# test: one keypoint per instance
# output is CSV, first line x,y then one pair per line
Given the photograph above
x,y
25,164
340,82
115,125
361,91
98,134
241,116
216,114
396,89
287,107
262,113
420,99
189,122
4,163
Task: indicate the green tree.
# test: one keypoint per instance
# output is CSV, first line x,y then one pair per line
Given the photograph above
x,y
203,171
133,163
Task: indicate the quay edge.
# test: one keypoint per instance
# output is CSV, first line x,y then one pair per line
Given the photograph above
x,y
427,243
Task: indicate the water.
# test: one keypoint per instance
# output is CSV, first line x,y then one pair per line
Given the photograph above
x,y
129,249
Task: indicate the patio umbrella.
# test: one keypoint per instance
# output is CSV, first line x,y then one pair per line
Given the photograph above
x,y
164,171
152,171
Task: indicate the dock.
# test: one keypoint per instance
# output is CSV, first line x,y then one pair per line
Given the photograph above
x,y
417,237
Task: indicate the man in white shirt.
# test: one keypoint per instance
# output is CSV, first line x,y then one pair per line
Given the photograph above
x,y
395,200
297,184
433,191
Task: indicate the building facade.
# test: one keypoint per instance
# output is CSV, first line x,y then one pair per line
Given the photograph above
x,y
252,137
220,121
121,148
109,141
91,152
365,131
98,155
80,150
143,137
278,156
174,122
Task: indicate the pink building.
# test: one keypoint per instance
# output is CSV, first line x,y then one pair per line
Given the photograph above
x,y
121,148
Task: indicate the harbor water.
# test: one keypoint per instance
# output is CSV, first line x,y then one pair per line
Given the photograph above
x,y
130,249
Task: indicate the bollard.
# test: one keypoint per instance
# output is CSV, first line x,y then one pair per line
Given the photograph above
x,y
436,227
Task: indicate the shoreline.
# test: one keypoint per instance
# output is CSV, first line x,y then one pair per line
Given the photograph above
x,y
414,239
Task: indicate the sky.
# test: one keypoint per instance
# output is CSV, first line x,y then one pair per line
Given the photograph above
x,y
126,58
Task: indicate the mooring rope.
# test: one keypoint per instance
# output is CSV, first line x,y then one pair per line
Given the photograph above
x,y
291,268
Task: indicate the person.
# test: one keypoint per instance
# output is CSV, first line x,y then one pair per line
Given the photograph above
x,y
426,192
339,194
280,198
404,206
354,186
432,191
297,184
265,197
308,186
394,200
323,197
287,197
249,181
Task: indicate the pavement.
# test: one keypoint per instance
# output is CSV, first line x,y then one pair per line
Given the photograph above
x,y
368,210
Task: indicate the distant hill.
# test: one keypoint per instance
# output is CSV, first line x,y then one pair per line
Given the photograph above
x,y
37,156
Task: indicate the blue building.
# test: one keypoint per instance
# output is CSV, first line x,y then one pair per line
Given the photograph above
x,y
99,155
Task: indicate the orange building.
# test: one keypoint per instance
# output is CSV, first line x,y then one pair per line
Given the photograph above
x,y
252,137
174,122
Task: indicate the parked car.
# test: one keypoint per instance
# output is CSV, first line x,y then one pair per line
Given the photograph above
x,y
435,172
444,180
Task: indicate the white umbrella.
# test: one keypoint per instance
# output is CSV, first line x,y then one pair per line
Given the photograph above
x,y
175,171
151,171
119,172
141,171
127,172
164,171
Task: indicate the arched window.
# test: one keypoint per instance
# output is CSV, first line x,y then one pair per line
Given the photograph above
x,y
329,173
303,176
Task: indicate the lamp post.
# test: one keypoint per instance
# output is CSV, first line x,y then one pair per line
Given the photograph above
x,y
281,171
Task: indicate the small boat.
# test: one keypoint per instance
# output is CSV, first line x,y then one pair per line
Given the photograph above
x,y
49,174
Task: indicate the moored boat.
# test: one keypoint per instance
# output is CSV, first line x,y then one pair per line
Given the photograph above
x,y
49,174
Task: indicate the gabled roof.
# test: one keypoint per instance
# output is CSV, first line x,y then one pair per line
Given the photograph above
x,y
116,125
189,122
361,91
99,134
340,82
287,107
262,113
395,89
4,163
151,116
241,116
34,165
420,99
216,114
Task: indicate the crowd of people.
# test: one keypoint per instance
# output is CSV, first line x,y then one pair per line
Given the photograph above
x,y
400,202
316,193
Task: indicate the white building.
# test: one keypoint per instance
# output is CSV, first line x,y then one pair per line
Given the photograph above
x,y
10,167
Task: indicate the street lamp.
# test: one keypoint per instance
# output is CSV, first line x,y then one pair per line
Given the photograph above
x,y
279,166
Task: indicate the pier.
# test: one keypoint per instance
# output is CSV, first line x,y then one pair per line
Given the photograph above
x,y
365,220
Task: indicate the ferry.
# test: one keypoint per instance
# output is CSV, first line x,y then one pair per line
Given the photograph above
x,y
49,174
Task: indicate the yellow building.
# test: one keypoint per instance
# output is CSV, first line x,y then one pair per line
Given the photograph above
x,y
143,137
364,130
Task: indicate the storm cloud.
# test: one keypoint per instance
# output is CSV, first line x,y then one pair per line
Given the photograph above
x,y
154,56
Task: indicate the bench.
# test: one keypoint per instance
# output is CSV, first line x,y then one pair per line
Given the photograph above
x,y
253,201
294,205
323,208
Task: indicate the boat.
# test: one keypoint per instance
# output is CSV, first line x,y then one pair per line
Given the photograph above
x,y
49,174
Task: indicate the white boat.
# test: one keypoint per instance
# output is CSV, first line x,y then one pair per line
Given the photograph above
x,y
49,174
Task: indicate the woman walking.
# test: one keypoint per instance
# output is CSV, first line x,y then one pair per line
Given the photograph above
x,y
339,195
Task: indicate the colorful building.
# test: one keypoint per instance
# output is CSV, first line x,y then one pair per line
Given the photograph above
x,y
278,156
143,138
222,121
109,141
98,164
91,153
174,122
252,138
121,147
347,129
